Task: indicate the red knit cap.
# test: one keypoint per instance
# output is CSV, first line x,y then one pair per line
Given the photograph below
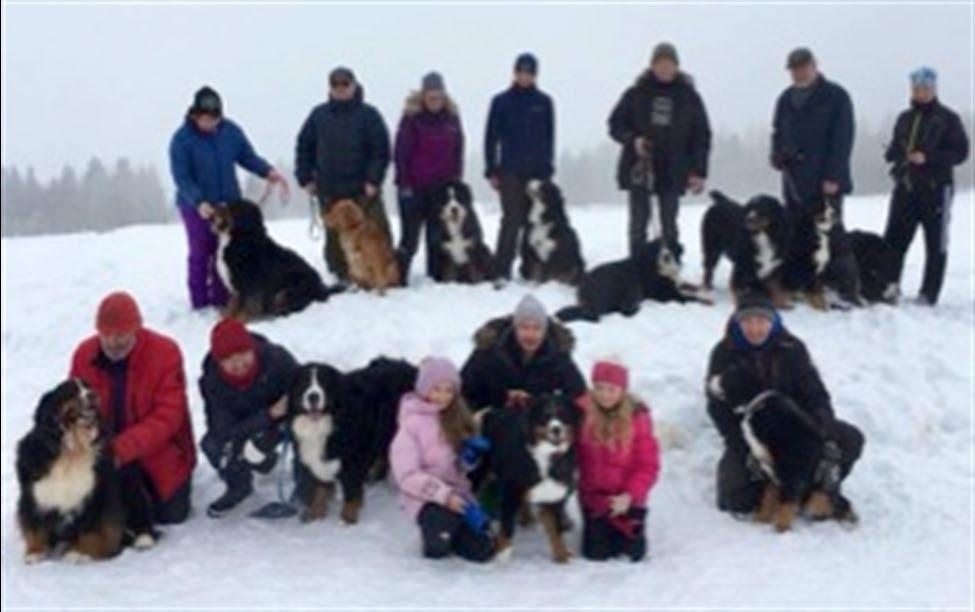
x,y
229,336
118,314
612,373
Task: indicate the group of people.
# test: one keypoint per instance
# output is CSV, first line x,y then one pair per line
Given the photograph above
x,y
139,377
343,150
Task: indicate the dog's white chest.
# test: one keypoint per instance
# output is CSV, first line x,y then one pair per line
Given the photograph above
x,y
311,436
539,232
223,240
548,490
765,259
69,482
456,245
821,256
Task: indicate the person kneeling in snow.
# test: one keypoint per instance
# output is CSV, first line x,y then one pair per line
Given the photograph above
x,y
619,461
245,395
430,457
759,354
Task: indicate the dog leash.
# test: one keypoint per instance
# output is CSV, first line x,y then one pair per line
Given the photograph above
x,y
284,506
269,187
315,230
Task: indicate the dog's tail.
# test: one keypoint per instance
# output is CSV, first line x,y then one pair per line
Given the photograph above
x,y
575,313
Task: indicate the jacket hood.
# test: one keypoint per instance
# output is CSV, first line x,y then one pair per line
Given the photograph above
x,y
492,332
413,105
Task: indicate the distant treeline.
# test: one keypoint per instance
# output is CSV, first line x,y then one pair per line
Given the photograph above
x,y
102,198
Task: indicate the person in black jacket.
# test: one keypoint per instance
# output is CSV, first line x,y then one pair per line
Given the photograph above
x,y
758,354
663,127
342,152
519,145
518,356
244,387
929,141
812,138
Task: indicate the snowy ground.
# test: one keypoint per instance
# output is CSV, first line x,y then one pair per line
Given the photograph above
x,y
904,375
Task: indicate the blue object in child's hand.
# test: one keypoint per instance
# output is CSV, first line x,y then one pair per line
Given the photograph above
x,y
471,450
476,517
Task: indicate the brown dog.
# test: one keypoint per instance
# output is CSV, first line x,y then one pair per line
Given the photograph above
x,y
366,246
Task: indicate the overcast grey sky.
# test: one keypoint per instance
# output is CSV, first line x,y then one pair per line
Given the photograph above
x,y
115,80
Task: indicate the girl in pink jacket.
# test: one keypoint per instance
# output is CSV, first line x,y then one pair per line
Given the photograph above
x,y
435,430
619,461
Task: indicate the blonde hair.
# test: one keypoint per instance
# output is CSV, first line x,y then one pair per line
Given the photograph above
x,y
456,422
611,426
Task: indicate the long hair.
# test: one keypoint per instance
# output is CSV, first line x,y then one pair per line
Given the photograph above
x,y
456,422
612,427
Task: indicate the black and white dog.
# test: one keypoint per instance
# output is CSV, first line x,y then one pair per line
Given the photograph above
x,y
877,262
821,257
459,253
789,448
621,286
720,231
71,497
550,248
533,458
342,426
263,277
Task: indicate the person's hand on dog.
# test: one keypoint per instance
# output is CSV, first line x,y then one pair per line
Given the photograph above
x,y
619,504
279,408
917,158
517,398
205,209
456,503
831,188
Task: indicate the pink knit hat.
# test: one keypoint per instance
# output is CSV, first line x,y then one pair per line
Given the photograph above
x,y
612,373
433,371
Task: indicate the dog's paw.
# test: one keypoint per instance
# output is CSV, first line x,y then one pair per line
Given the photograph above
x,y
77,557
561,556
144,541
34,557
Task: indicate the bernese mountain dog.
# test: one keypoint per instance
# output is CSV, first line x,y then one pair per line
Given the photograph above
x,y
342,426
71,498
532,457
550,248
877,262
264,278
459,253
821,257
621,286
720,231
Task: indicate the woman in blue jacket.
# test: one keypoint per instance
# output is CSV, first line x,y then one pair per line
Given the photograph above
x,y
203,156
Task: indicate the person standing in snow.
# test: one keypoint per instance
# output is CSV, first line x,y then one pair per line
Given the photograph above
x,y
519,145
929,140
812,138
430,456
619,461
138,376
759,354
203,156
342,152
663,128
244,386
429,152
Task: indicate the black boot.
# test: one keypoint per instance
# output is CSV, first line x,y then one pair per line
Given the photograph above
x,y
237,491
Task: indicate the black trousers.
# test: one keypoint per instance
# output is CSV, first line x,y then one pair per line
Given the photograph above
x,y
602,540
739,489
515,205
416,212
142,504
929,207
445,532
640,215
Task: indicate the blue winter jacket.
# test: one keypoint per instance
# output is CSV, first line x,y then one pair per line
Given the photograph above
x,y
203,165
520,137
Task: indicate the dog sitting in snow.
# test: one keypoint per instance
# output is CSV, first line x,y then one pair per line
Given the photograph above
x,y
70,491
821,258
264,278
549,246
621,286
366,246
342,426
533,458
459,253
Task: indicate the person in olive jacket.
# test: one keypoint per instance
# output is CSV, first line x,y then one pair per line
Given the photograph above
x,y
244,386
343,151
663,127
929,141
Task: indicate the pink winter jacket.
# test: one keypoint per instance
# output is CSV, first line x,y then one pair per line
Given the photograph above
x,y
424,464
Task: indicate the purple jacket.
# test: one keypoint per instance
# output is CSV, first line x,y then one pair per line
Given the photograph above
x,y
429,146
424,465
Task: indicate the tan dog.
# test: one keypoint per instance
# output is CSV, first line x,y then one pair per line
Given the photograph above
x,y
366,246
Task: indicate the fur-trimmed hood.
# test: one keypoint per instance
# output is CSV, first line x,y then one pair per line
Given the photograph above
x,y
414,105
495,330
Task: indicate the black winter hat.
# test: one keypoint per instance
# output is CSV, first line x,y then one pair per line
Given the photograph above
x,y
341,73
206,101
755,303
664,50
526,62
799,57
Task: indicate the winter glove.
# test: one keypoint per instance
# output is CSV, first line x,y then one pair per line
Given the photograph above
x,y
476,518
472,449
619,504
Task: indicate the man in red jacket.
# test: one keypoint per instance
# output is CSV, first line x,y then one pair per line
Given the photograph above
x,y
138,376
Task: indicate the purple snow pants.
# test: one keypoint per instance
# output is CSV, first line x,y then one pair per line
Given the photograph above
x,y
206,288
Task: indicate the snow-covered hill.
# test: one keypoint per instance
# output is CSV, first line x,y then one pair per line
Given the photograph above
x,y
904,375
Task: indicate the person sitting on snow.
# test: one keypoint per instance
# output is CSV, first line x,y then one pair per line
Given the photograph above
x,y
138,376
758,354
245,396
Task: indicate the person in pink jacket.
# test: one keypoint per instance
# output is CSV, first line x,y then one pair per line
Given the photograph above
x,y
619,461
430,456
